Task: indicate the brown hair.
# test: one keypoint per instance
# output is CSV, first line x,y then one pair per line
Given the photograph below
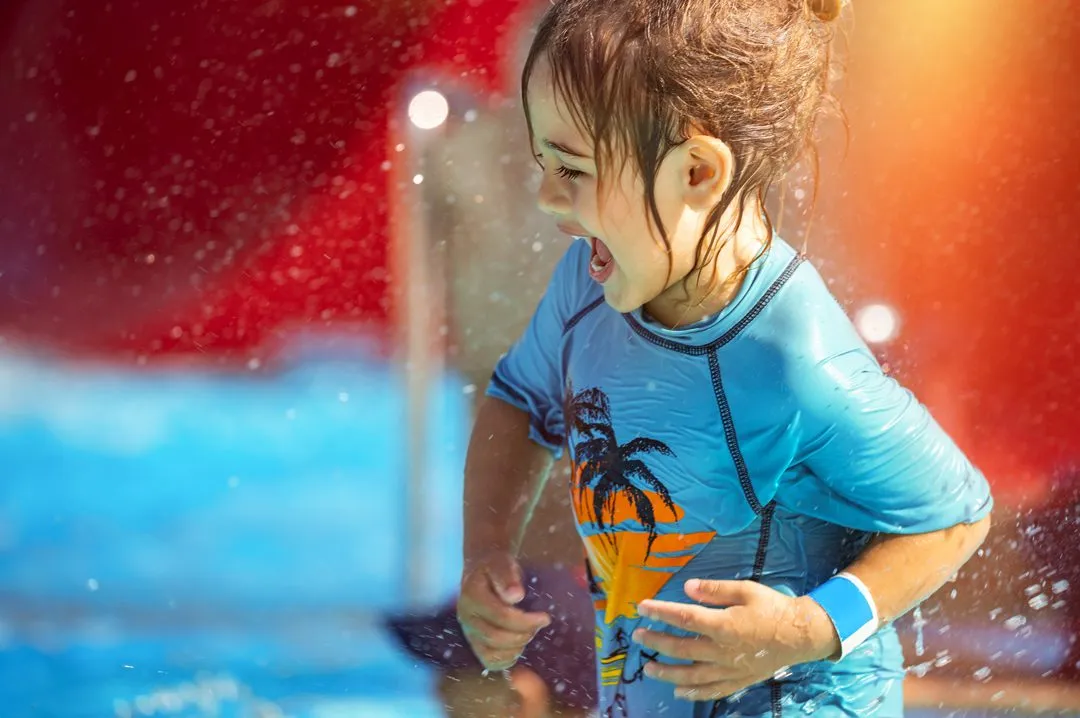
x,y
642,76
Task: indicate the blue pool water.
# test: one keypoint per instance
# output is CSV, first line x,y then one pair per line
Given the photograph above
x,y
334,671
162,531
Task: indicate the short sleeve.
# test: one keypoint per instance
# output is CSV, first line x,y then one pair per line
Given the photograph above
x,y
871,456
530,375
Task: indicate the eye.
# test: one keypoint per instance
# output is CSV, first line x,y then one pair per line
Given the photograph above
x,y
569,173
564,172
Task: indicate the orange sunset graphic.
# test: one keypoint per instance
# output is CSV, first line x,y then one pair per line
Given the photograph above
x,y
615,492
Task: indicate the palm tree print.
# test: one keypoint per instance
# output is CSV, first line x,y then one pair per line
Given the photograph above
x,y
609,468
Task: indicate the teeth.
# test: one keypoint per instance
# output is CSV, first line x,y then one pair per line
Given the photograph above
x,y
597,265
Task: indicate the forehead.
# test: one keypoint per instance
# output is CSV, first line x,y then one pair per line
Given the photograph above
x,y
549,112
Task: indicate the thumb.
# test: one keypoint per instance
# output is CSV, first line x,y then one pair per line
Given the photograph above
x,y
721,593
505,577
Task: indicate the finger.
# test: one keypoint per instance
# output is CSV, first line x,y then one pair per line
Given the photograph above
x,y
482,631
493,657
722,593
687,648
485,604
506,580
681,615
710,692
693,675
497,660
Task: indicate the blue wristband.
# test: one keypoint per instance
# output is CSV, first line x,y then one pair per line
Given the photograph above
x,y
850,607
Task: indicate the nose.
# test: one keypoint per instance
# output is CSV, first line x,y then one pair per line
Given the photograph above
x,y
553,198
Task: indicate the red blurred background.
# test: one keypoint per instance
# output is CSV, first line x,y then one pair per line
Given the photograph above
x,y
195,182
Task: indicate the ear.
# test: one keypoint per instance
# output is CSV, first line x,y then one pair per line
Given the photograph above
x,y
707,169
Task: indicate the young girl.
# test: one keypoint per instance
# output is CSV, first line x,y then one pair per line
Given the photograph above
x,y
757,499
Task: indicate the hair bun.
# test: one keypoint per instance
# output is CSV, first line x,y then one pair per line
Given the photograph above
x,y
826,10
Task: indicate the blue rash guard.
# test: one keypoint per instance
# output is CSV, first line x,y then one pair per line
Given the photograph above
x,y
764,443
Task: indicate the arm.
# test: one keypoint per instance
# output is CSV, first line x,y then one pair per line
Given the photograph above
x,y
518,429
505,471
900,572
760,630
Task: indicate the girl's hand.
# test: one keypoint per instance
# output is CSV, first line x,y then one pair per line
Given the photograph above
x,y
495,628
759,632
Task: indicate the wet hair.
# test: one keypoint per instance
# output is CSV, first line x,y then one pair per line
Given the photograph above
x,y
639,77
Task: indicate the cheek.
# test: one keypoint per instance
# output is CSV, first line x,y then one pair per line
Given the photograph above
x,y
671,212
595,201
626,229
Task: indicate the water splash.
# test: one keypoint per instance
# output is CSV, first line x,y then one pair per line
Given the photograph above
x,y
205,696
919,623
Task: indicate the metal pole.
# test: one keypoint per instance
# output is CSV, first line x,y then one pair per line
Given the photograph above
x,y
418,273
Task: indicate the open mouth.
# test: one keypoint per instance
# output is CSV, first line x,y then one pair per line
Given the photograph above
x,y
601,263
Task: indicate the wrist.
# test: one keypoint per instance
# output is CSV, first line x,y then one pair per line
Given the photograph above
x,y
851,610
480,546
820,639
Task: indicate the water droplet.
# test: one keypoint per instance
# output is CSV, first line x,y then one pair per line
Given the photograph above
x,y
1038,602
92,584
1059,586
343,396
254,363
234,481
417,179
1014,622
982,674
130,76
920,669
350,11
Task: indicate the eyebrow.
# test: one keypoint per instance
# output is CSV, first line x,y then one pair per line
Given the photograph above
x,y
565,150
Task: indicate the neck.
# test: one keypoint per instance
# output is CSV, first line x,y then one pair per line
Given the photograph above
x,y
709,289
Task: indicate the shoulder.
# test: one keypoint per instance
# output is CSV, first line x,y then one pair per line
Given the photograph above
x,y
810,337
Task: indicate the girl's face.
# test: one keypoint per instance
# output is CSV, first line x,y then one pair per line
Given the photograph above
x,y
629,258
